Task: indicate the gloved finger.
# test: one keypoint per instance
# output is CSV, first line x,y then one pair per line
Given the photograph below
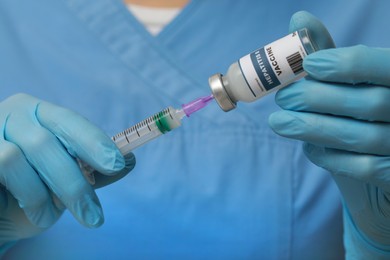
x,y
357,64
332,131
318,32
104,180
58,170
14,219
81,138
20,179
337,99
367,168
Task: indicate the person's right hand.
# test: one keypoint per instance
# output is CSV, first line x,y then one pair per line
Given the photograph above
x,y
39,175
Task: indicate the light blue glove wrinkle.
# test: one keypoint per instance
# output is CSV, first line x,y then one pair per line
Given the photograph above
x,y
333,132
39,176
337,99
36,200
343,116
81,139
102,180
4,247
357,64
363,181
57,169
358,166
318,32
85,141
358,244
14,223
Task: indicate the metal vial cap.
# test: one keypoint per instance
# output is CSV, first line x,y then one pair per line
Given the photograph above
x,y
220,94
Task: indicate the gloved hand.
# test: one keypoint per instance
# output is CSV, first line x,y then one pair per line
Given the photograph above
x,y
342,113
39,175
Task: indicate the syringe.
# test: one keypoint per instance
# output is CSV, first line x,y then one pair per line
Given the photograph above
x,y
149,129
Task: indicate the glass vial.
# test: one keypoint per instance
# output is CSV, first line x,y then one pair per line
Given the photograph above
x,y
272,67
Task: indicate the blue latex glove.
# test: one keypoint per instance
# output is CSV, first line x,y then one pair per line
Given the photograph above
x,y
342,113
39,175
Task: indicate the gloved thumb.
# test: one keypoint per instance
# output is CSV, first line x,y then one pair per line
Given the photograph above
x,y
318,32
102,180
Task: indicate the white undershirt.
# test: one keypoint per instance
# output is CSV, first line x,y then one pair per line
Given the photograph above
x,y
153,18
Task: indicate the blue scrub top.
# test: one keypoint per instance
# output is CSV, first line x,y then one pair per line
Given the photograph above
x,y
223,185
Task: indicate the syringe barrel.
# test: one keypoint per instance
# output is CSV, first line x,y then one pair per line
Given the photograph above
x,y
136,136
139,134
147,130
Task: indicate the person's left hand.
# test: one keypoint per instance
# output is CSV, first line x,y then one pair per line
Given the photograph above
x,y
342,113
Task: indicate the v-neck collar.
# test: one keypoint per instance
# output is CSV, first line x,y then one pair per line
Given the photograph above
x,y
181,15
128,40
184,15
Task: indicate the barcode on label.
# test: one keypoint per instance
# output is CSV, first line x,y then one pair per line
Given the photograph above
x,y
295,61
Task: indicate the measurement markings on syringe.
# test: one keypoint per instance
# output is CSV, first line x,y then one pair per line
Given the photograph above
x,y
147,124
125,133
115,137
170,114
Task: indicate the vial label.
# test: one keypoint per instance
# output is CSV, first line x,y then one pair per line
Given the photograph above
x,y
274,66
